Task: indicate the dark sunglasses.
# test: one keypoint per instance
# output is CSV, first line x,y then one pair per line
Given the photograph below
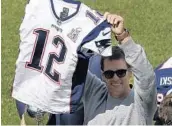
x,y
110,73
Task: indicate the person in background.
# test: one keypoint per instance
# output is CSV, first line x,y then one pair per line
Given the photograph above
x,y
165,111
113,102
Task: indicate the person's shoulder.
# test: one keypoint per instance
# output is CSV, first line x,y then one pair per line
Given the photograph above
x,y
92,78
94,84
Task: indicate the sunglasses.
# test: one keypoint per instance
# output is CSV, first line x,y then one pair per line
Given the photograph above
x,y
110,73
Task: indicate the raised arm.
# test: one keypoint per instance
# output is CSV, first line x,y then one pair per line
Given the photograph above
x,y
144,78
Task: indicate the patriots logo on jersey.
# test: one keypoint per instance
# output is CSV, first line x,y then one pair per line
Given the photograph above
x,y
102,45
73,35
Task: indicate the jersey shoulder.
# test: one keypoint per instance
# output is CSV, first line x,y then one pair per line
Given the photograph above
x,y
92,15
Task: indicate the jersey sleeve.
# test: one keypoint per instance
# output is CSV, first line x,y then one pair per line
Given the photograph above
x,y
99,39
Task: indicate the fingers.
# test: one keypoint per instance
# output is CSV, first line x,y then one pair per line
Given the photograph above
x,y
116,21
113,18
106,14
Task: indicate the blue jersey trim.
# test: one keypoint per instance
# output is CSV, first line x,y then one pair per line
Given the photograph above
x,y
78,3
95,32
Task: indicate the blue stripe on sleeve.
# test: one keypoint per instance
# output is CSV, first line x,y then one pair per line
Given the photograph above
x,y
95,32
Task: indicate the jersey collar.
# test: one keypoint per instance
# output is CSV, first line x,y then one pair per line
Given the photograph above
x,y
78,3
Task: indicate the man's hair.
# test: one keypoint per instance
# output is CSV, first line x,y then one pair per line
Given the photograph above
x,y
117,53
165,110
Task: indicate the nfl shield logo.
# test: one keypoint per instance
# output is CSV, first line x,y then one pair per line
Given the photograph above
x,y
73,35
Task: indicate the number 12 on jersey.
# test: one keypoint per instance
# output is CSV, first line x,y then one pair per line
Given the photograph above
x,y
38,53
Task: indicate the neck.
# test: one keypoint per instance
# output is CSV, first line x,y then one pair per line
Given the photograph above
x,y
123,95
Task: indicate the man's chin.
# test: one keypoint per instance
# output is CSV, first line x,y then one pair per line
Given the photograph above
x,y
115,95
116,85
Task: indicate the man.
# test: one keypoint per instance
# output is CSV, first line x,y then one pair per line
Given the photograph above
x,y
114,103
164,88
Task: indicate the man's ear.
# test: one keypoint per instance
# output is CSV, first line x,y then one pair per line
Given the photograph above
x,y
129,74
130,77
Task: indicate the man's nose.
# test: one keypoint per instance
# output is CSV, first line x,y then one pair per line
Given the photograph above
x,y
115,77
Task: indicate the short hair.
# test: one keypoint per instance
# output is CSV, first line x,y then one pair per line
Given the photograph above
x,y
117,53
165,110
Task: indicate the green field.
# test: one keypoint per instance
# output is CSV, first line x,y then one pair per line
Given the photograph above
x,y
149,22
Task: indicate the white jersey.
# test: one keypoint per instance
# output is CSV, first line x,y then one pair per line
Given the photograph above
x,y
56,35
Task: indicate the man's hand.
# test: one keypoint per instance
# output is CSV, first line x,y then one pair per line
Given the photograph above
x,y
116,21
118,29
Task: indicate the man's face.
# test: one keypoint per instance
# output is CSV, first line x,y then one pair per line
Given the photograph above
x,y
118,83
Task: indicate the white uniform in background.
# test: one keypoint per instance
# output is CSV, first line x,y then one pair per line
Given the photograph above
x,y
54,35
